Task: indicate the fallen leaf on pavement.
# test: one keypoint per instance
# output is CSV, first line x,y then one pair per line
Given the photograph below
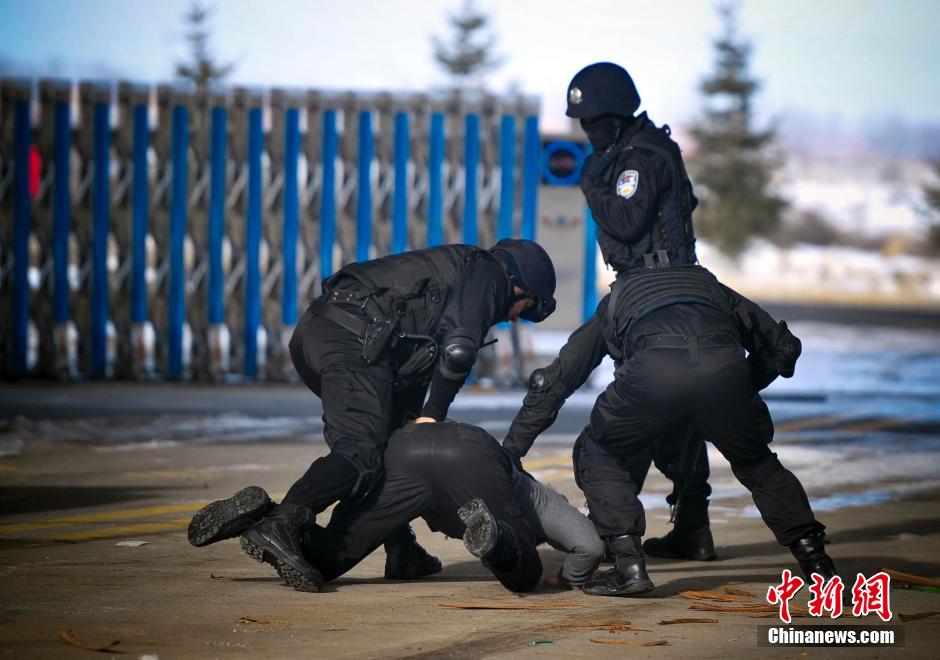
x,y
250,619
632,642
737,591
711,595
910,578
501,606
670,622
795,610
916,617
69,638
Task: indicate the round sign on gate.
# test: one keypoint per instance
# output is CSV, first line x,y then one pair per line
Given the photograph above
x,y
561,163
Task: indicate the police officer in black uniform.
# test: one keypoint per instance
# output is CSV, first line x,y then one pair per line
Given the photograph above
x,y
383,332
640,195
678,339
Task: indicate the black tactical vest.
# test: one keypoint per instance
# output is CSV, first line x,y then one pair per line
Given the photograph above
x,y
412,287
637,296
671,233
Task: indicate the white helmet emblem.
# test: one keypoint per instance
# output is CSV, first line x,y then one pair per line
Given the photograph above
x,y
574,95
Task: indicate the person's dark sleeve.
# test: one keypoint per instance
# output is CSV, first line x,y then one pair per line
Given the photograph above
x,y
624,218
479,301
551,386
772,349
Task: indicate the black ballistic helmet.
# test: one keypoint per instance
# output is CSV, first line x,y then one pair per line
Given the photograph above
x,y
532,271
600,89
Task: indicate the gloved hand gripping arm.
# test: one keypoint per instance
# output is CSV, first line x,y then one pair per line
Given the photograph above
x,y
550,386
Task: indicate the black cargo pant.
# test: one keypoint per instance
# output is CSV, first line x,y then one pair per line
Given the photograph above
x,y
656,394
431,470
361,408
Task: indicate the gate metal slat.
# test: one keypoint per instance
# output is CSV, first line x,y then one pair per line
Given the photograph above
x,y
253,243
328,198
140,204
217,201
400,201
471,162
176,298
507,155
62,211
101,204
530,177
364,196
436,182
291,217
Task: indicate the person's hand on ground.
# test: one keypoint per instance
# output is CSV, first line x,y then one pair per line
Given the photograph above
x,y
556,582
425,420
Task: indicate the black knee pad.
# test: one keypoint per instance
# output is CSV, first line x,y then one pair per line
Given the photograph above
x,y
753,476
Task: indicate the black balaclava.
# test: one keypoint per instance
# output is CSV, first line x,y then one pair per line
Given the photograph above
x,y
603,131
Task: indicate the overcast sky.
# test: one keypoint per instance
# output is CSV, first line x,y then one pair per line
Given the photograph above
x,y
851,60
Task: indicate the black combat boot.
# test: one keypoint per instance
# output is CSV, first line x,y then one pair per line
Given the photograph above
x,y
691,538
225,519
275,540
405,559
810,552
628,577
696,545
485,538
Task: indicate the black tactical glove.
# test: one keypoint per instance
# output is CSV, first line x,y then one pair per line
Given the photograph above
x,y
787,348
595,166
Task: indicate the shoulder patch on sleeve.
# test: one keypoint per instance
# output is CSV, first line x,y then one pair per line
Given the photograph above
x,y
627,183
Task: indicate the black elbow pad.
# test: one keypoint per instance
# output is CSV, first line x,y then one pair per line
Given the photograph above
x,y
459,355
544,378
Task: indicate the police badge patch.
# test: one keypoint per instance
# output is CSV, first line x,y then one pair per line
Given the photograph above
x,y
627,183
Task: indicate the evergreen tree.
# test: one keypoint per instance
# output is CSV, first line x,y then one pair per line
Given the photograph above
x,y
471,51
932,197
732,169
202,70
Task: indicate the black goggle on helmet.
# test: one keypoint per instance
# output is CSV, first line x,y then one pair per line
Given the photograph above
x,y
532,271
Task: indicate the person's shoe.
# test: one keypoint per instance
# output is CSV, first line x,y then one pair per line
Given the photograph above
x,y
485,538
225,519
275,540
405,559
482,532
810,552
628,577
697,545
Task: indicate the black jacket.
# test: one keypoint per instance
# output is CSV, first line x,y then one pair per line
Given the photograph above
x,y
641,198
769,345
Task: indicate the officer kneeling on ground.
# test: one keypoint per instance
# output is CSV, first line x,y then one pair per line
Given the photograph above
x,y
383,332
678,338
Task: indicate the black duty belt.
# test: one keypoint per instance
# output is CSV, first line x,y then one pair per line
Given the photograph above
x,y
341,317
691,343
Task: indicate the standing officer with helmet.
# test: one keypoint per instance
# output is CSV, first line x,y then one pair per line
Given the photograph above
x,y
383,332
640,195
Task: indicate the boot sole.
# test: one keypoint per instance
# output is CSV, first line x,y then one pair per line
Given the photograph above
x,y
289,574
225,519
481,536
